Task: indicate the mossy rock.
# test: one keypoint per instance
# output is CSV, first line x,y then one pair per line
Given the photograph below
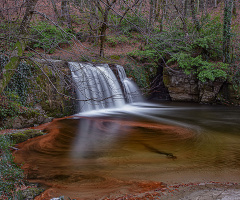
x,y
31,193
24,135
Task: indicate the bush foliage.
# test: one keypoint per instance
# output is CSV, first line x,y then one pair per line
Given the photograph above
x,y
194,52
49,37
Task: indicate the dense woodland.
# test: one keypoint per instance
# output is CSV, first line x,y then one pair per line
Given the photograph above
x,y
195,35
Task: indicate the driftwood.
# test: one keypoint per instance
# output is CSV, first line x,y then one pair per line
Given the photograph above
x,y
152,149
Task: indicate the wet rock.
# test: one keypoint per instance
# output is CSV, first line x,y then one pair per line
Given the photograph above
x,y
183,87
209,90
26,120
31,193
59,198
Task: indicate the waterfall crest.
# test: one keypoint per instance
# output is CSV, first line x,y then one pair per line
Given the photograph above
x,y
97,87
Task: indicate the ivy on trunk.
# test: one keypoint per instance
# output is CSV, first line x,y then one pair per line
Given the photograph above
x,y
228,6
19,48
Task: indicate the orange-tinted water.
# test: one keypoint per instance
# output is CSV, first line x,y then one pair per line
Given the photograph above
x,y
125,151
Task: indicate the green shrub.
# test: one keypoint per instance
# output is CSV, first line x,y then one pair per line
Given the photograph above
x,y
115,40
205,70
48,37
209,40
195,52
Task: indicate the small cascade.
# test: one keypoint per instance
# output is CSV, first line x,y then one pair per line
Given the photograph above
x,y
131,90
98,87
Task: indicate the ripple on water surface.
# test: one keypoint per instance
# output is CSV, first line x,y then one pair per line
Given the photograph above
x,y
152,142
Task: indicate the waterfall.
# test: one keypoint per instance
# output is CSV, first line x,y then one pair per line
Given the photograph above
x,y
131,90
97,86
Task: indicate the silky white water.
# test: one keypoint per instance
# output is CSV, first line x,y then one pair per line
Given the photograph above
x,y
97,87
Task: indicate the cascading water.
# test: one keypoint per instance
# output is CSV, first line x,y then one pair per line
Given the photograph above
x,y
98,87
131,90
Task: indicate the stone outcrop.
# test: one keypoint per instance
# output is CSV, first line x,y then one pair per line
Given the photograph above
x,y
208,91
188,88
181,87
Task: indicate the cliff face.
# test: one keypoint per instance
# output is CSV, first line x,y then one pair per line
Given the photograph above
x,y
48,94
188,88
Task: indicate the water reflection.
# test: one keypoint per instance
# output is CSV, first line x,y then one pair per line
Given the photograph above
x,y
92,137
158,142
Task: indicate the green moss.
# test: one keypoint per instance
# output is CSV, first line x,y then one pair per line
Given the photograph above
x,y
11,175
25,135
166,80
31,113
18,137
115,57
19,46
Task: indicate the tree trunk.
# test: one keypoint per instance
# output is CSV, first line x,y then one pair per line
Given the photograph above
x,y
185,3
158,8
164,4
151,15
65,15
194,16
56,11
104,24
128,8
234,12
198,4
1,15
228,6
205,7
184,16
19,48
102,38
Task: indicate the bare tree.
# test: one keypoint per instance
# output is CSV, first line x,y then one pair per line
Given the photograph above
x,y
152,14
164,13
65,13
104,7
56,11
127,9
